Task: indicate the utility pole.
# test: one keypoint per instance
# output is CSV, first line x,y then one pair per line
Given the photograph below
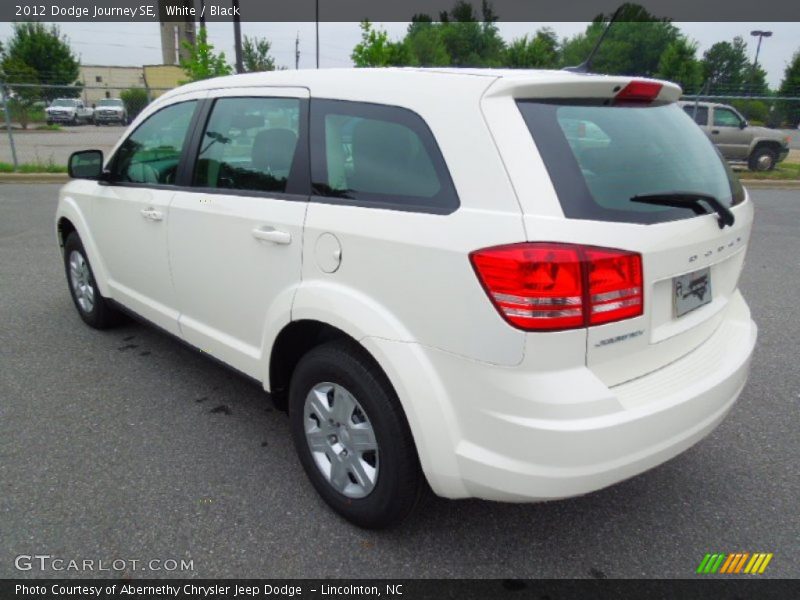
x,y
297,51
317,24
202,14
237,36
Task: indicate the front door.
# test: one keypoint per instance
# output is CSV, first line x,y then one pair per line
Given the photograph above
x,y
728,135
235,237
131,214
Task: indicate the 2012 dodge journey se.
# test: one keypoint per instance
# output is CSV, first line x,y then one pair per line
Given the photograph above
x,y
506,285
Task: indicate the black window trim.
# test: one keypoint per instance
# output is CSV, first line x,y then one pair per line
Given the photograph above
x,y
415,123
179,172
188,159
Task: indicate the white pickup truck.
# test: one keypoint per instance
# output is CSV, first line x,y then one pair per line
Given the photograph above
x,y
69,110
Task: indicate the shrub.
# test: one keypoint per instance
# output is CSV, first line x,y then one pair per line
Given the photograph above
x,y
135,100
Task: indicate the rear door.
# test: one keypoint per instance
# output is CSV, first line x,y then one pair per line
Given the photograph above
x,y
235,236
581,159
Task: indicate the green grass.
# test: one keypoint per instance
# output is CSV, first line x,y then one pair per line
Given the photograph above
x,y
51,127
33,168
783,172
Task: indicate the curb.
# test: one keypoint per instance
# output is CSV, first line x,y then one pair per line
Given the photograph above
x,y
771,184
34,177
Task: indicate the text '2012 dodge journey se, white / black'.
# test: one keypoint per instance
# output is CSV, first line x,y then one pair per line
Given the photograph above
x,y
510,285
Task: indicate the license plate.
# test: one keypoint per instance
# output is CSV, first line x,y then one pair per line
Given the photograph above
x,y
691,291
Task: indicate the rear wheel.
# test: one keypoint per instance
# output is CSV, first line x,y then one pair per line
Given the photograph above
x,y
93,308
762,159
352,437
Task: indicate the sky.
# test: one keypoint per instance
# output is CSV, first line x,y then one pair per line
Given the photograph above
x,y
140,43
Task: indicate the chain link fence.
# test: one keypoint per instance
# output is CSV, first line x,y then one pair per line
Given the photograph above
x,y
44,124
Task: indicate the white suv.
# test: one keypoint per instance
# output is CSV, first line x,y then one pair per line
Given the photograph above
x,y
510,285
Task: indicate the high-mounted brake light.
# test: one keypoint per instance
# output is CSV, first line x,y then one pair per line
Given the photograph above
x,y
549,286
639,91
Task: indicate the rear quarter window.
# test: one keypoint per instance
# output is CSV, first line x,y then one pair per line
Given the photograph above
x,y
378,156
600,155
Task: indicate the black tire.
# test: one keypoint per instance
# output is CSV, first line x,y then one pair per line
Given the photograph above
x,y
49,122
102,314
399,483
762,159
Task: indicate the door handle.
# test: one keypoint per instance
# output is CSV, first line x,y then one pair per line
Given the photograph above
x,y
152,214
715,131
270,234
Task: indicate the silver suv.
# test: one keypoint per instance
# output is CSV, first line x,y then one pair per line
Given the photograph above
x,y
738,141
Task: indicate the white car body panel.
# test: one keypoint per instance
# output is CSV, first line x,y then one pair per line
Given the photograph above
x,y
495,412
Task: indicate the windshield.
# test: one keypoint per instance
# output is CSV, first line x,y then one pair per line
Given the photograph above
x,y
114,103
600,156
70,103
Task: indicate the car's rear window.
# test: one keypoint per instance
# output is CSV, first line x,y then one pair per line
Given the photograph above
x,y
599,156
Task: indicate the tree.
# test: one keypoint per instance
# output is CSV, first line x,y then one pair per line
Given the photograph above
x,y
790,86
255,55
679,64
725,65
135,99
424,43
375,49
468,42
634,45
203,62
22,98
539,52
39,54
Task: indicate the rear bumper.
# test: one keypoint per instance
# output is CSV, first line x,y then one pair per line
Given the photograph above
x,y
547,435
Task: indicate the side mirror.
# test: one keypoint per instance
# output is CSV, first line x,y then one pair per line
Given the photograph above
x,y
743,124
86,164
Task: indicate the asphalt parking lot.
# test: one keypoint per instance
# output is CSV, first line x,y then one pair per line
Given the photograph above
x,y
126,444
44,147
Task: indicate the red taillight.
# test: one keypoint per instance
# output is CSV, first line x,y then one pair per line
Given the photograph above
x,y
547,286
639,91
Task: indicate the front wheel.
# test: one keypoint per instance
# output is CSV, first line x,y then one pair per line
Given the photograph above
x,y
352,437
95,310
762,159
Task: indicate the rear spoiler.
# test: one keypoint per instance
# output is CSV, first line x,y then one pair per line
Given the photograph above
x,y
585,86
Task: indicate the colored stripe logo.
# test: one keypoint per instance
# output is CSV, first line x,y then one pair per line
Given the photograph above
x,y
735,563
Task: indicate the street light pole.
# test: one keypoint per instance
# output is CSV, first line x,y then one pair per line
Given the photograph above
x,y
760,35
317,24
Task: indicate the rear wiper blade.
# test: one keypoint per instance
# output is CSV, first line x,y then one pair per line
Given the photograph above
x,y
691,200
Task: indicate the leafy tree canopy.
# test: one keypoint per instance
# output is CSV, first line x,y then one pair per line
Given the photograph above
x,y
256,56
790,86
40,54
203,62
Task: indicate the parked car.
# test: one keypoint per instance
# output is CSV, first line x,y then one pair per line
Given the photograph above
x,y
69,110
111,110
738,141
480,279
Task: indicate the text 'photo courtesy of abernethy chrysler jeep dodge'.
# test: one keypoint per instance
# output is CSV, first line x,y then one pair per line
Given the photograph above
x,y
516,286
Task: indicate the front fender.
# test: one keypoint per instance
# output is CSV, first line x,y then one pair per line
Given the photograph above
x,y
70,209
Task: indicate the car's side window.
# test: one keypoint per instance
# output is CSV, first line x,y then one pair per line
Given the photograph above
x,y
151,154
377,155
700,117
724,117
249,144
